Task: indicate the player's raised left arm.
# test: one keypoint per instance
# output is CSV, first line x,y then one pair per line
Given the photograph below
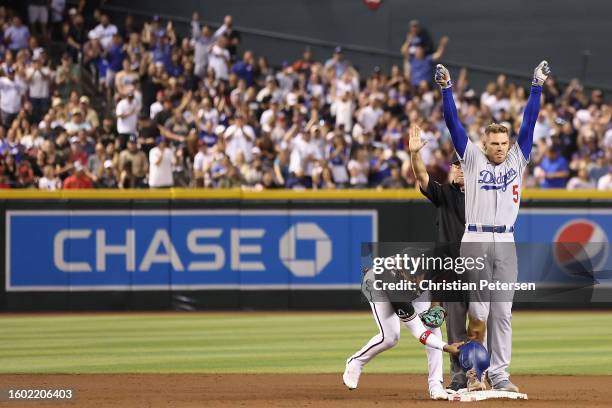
x,y
532,109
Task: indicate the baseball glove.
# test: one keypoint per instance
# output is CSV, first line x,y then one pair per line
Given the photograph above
x,y
434,317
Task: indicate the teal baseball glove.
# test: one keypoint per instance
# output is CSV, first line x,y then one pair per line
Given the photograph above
x,y
434,317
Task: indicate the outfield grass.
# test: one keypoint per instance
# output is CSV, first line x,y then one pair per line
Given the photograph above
x,y
544,343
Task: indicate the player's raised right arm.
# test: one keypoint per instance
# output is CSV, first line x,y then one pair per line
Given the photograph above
x,y
458,135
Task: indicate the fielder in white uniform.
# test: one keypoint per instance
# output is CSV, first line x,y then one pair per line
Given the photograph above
x,y
493,182
389,318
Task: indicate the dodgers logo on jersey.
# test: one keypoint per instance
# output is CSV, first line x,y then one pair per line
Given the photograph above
x,y
490,182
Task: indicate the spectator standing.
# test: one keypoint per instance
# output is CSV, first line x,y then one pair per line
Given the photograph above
x,y
219,59
17,35
38,15
127,117
11,92
337,64
239,138
161,159
137,159
104,32
417,36
38,78
420,65
202,40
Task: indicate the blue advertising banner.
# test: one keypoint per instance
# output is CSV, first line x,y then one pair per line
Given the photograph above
x,y
203,249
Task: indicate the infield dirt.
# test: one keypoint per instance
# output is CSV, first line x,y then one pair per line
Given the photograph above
x,y
291,390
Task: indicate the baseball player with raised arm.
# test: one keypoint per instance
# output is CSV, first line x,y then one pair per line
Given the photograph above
x,y
412,312
493,174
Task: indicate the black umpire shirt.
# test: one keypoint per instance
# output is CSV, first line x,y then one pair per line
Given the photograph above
x,y
450,201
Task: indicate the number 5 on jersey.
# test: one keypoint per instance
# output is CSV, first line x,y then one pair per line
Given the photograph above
x,y
515,193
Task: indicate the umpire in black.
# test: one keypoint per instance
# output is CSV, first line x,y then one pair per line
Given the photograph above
x,y
449,199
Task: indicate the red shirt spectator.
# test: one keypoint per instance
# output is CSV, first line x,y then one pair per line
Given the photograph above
x,y
78,179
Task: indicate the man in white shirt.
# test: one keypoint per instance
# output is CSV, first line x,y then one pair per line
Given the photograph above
x,y
219,58
342,108
208,113
11,93
39,79
304,155
202,41
239,137
104,32
369,116
201,165
127,117
161,159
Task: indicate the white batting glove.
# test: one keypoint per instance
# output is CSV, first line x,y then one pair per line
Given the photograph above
x,y
540,74
442,77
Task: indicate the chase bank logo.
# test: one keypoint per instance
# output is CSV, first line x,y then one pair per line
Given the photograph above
x,y
303,231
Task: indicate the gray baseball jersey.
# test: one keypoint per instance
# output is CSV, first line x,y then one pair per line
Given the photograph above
x,y
492,192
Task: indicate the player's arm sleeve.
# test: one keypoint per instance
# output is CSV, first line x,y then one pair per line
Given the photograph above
x,y
530,116
433,192
458,135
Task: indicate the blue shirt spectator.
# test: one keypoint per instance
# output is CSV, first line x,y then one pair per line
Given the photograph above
x,y
556,170
244,69
421,65
17,35
115,56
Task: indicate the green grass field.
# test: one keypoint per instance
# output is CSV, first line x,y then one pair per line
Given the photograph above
x,y
544,343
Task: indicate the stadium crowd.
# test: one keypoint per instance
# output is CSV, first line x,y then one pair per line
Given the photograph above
x,y
201,110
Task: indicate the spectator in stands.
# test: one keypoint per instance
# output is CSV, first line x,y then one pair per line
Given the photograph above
x,y
11,97
161,159
417,36
219,59
79,179
49,181
245,69
581,181
108,178
17,35
104,32
337,64
420,65
553,170
127,117
605,182
139,165
39,77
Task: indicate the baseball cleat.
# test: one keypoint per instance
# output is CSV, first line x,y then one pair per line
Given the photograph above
x,y
351,375
437,392
473,382
506,385
455,387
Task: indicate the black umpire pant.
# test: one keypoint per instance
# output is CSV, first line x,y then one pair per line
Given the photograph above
x,y
456,314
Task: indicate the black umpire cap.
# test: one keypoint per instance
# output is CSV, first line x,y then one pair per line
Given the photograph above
x,y
455,159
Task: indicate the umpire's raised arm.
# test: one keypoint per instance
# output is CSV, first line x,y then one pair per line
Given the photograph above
x,y
532,109
458,135
415,145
